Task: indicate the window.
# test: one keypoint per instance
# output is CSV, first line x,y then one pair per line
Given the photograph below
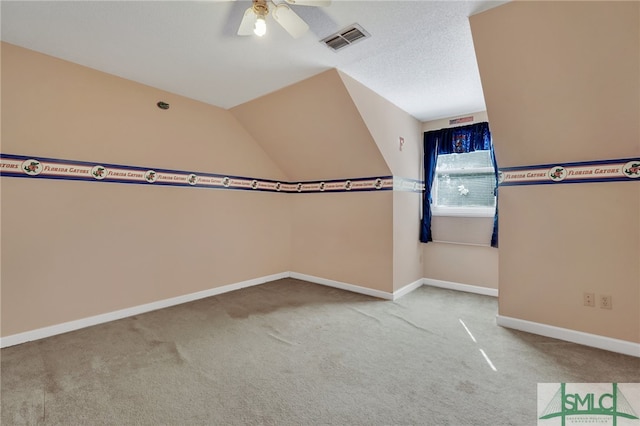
x,y
464,185
460,175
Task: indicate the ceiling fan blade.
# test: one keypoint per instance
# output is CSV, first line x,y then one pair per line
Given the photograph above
x,y
248,21
289,20
319,3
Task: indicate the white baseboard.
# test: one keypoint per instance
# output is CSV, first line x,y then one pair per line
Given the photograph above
x,y
461,287
358,289
587,339
343,286
65,327
601,342
407,289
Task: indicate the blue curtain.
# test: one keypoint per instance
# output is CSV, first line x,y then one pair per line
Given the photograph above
x,y
431,140
474,137
494,234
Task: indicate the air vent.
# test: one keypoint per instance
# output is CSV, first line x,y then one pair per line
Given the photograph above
x,y
345,37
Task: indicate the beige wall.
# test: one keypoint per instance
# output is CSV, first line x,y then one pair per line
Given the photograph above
x,y
387,124
462,263
549,257
345,237
1,221
54,108
76,249
314,131
460,252
561,84
407,248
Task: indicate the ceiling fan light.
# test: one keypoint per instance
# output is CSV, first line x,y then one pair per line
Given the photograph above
x,y
260,27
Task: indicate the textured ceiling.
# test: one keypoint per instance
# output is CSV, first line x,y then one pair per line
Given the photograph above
x,y
420,55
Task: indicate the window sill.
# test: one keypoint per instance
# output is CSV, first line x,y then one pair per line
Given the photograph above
x,y
463,211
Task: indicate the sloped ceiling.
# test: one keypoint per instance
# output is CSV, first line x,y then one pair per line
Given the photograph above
x,y
312,130
420,55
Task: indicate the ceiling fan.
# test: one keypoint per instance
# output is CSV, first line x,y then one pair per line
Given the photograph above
x,y
254,20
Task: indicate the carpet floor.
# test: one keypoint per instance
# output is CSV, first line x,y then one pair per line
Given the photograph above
x,y
295,353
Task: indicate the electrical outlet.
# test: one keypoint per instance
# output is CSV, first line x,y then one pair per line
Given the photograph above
x,y
590,299
605,301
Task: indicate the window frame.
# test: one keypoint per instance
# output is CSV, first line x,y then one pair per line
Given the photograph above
x,y
459,211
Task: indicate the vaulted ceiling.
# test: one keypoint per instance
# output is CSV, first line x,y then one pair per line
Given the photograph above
x,y
420,55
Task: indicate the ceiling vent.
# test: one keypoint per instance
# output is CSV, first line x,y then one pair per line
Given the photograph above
x,y
345,37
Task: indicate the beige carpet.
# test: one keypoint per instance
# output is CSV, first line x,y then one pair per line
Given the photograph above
x,y
295,353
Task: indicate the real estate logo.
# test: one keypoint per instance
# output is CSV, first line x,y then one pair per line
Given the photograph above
x,y
614,404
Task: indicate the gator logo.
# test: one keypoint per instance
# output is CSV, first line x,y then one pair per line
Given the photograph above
x,y
99,172
151,176
632,169
557,173
32,167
